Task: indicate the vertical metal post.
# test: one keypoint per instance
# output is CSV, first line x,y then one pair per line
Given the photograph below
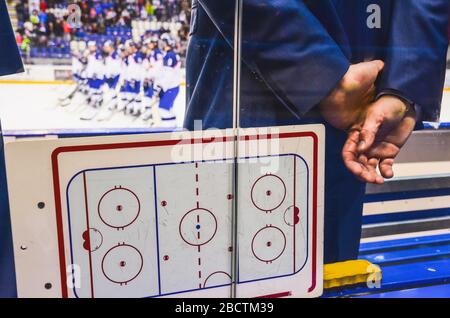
x,y
236,126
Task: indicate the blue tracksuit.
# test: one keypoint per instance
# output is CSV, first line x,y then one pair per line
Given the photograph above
x,y
294,53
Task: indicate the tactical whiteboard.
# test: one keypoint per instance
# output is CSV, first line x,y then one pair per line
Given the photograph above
x,y
150,215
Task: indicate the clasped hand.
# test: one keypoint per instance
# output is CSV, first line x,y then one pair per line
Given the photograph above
x,y
377,129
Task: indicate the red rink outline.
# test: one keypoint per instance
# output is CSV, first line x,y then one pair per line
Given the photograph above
x,y
163,143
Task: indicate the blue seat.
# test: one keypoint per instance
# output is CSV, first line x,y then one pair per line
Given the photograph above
x,y
34,52
407,264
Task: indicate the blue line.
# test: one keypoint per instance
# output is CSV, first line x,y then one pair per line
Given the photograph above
x,y
70,234
65,133
97,132
156,224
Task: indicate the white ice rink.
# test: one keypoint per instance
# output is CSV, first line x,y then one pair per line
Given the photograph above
x,y
35,107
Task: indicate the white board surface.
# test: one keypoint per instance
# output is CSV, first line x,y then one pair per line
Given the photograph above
x,y
150,215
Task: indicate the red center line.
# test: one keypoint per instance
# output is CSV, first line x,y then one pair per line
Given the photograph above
x,y
293,212
198,221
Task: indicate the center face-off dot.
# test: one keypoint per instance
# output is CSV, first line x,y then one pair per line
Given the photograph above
x,y
268,193
268,244
122,264
198,227
119,208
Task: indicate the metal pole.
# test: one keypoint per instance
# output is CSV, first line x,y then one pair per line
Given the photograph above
x,y
236,126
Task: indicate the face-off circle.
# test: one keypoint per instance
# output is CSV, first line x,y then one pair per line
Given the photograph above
x,y
93,239
268,244
122,264
119,208
219,278
268,193
198,227
292,216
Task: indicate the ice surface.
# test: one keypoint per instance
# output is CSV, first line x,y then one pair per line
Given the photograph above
x,y
35,107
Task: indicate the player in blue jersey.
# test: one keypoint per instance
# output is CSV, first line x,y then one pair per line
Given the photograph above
x,y
135,74
95,73
112,72
167,83
130,79
79,62
153,64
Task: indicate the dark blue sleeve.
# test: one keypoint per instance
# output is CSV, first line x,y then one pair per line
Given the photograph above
x,y
7,271
417,51
286,47
10,61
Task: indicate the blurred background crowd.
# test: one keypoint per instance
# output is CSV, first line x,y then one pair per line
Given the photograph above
x,y
45,28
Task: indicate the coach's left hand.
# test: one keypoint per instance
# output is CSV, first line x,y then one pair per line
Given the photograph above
x,y
376,141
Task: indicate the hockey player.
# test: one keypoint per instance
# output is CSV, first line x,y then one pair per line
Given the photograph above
x,y
153,64
112,70
167,83
95,73
113,65
115,78
137,73
131,83
79,62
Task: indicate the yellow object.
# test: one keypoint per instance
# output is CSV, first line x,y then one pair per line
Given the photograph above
x,y
351,273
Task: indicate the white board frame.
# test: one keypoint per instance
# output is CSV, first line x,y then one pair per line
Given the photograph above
x,y
34,175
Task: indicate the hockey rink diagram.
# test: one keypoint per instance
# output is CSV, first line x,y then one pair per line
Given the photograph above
x,y
132,234
150,215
